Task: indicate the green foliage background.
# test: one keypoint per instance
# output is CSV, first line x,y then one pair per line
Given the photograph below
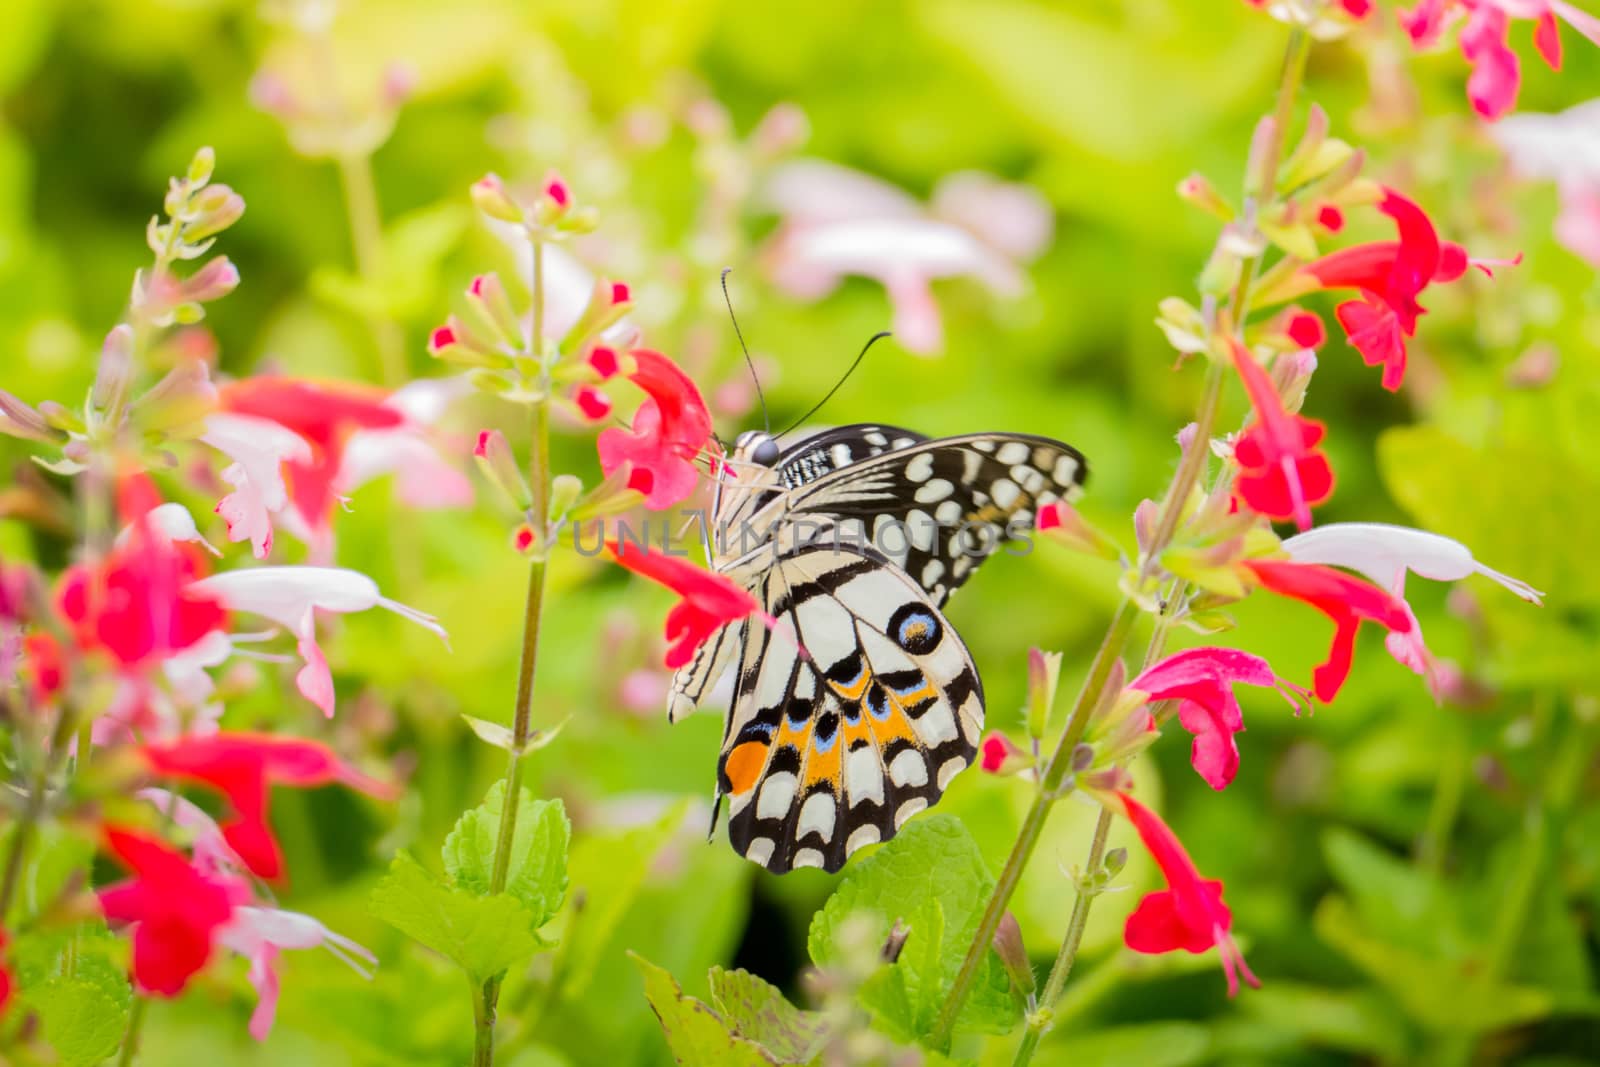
x,y
1368,953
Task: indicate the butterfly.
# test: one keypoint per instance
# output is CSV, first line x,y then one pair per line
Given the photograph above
x,y
857,703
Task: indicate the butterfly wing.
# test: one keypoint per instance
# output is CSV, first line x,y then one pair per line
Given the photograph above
x,y
851,715
936,508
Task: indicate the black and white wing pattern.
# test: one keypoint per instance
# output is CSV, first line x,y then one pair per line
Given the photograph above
x,y
855,710
852,713
935,508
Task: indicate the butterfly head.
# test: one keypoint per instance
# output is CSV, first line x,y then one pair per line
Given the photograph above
x,y
758,447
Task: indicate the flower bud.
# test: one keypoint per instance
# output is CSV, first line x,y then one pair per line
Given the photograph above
x,y
998,754
488,297
490,196
1115,860
1260,144
1198,190
201,166
177,405
603,360
1291,374
19,419
592,403
1062,522
1013,955
115,372
1185,327
399,82
215,280
1044,672
565,489
215,209
498,464
454,343
525,539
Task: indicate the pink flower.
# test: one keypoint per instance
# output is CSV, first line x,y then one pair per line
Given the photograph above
x,y
838,222
1282,473
669,429
242,766
259,934
1345,600
604,361
291,597
1189,914
1496,73
710,601
300,446
1390,275
1202,679
1385,554
177,910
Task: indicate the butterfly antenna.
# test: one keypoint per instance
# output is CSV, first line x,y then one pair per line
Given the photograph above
x,y
766,419
874,339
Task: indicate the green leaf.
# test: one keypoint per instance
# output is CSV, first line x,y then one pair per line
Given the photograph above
x,y
1171,1044
1441,995
1359,1021
609,870
756,1010
536,874
483,935
56,855
696,1035
88,952
933,878
82,1022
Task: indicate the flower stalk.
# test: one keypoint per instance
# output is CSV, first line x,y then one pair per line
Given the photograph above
x,y
487,1000
1189,474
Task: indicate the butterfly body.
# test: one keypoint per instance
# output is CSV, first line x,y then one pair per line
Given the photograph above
x,y
858,705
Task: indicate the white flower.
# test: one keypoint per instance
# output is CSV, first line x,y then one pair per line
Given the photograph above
x,y
258,934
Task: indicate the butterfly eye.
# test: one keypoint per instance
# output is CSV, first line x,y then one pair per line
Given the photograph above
x,y
766,453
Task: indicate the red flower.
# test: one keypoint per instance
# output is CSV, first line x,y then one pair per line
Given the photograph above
x,y
1341,597
668,431
1203,680
243,766
46,667
177,908
1281,471
604,361
136,604
592,403
710,601
1189,914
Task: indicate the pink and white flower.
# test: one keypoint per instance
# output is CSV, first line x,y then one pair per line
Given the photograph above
x,y
259,934
1565,149
259,448
838,222
1386,554
292,596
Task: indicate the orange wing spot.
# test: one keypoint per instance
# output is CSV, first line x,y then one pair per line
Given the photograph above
x,y
825,766
744,765
895,726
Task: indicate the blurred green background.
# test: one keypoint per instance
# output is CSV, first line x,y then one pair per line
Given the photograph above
x,y
1404,876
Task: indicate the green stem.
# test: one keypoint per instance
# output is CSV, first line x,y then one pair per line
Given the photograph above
x,y
486,1007
366,239
130,1038
1190,469
1040,1020
1434,845
49,762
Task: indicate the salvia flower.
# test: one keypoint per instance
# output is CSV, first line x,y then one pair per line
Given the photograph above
x,y
243,767
1282,472
1189,914
1496,71
177,910
838,222
1390,275
1385,554
259,934
1344,599
668,431
998,754
710,600
292,596
1202,681
1563,148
